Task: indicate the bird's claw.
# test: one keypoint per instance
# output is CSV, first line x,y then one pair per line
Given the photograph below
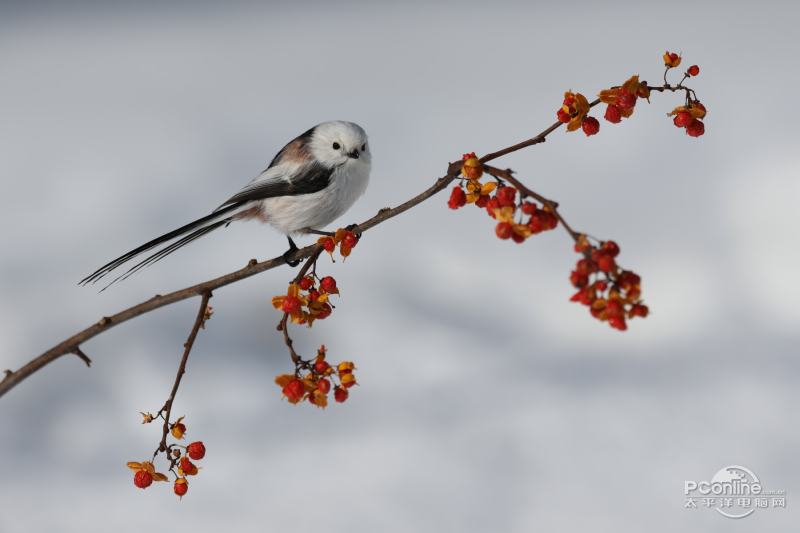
x,y
354,229
287,255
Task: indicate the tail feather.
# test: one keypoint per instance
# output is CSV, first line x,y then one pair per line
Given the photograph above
x,y
198,228
164,252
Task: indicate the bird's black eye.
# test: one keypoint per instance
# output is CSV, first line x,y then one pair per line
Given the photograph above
x,y
364,147
336,146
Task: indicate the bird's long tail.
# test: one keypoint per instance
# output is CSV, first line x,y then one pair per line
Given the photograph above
x,y
188,233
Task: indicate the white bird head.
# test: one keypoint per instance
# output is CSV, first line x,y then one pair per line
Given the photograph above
x,y
339,143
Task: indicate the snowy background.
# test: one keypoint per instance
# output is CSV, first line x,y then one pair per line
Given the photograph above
x,y
488,401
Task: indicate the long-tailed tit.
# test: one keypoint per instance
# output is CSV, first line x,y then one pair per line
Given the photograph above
x,y
311,182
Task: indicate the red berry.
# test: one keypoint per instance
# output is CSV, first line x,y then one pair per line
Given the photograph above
x,y
528,208
563,116
329,244
320,367
457,198
683,119
294,390
696,128
181,487
328,284
613,114
517,238
482,201
504,230
491,205
350,240
694,70
585,266
290,304
611,248
188,467
549,220
626,100
639,310
306,283
325,312
587,297
618,322
606,263
614,309
578,280
590,126
506,196
535,223
629,279
340,394
196,450
142,479
324,385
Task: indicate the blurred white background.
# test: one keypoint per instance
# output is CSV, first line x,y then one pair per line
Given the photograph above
x,y
488,402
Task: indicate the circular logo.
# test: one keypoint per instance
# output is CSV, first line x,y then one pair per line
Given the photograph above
x,y
735,482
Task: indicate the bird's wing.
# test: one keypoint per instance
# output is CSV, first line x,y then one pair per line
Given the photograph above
x,y
284,179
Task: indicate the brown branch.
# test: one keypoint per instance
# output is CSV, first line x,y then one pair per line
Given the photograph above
x,y
73,343
13,378
199,322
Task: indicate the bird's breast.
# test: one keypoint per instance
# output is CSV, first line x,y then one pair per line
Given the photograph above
x,y
291,214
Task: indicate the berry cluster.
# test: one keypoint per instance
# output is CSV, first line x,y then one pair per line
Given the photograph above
x,y
181,464
501,204
612,294
306,301
690,117
344,238
622,100
312,381
573,112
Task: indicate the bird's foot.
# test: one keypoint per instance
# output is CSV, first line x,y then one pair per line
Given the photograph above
x,y
287,255
355,229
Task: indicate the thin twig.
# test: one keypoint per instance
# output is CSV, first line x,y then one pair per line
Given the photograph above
x,y
85,358
283,325
199,322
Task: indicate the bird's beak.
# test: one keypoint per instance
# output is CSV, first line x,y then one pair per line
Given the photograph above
x,y
353,154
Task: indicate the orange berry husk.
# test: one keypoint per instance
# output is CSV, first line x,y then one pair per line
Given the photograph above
x,y
348,380
178,428
346,367
671,59
472,168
